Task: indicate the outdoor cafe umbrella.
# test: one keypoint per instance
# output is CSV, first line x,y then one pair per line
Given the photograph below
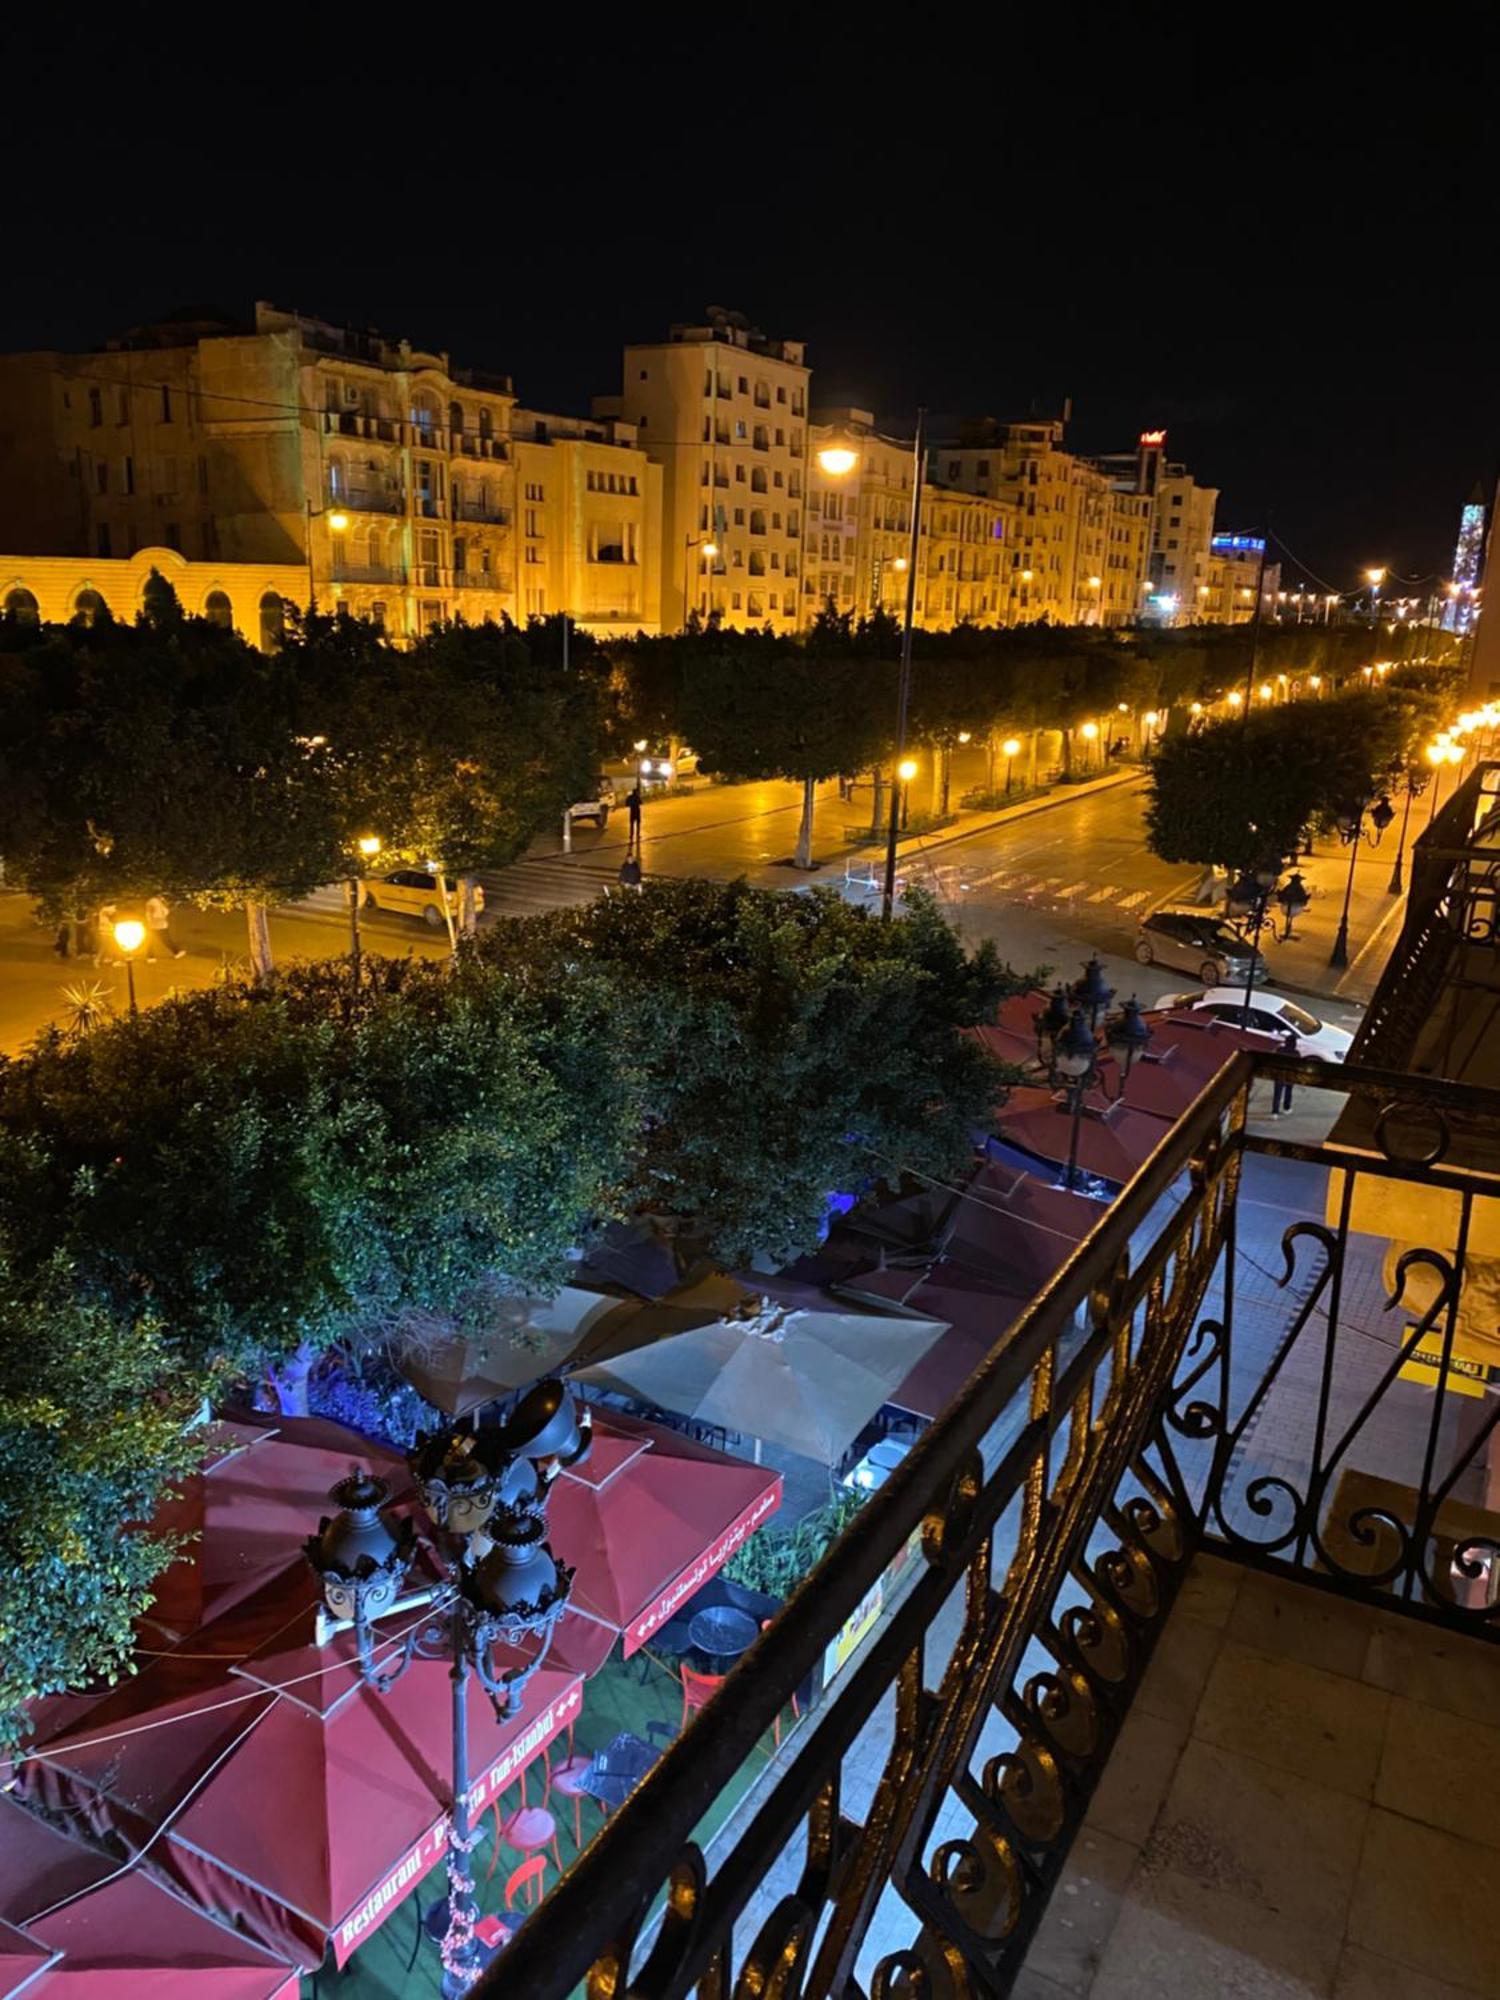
x,y
806,1381
460,1372
977,1313
646,1519
78,1926
283,1791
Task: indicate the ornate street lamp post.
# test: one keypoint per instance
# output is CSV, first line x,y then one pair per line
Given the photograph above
x,y
1352,831
1251,896
487,1492
1069,1046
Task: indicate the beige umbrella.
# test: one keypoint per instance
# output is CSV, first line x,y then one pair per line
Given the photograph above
x,y
807,1381
526,1338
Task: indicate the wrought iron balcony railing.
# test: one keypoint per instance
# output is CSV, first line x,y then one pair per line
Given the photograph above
x,y
1203,1372
1452,917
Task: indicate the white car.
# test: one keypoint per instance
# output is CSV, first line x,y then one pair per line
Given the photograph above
x,y
597,805
1270,1014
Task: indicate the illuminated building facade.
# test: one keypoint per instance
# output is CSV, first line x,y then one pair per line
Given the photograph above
x,y
722,410
858,541
1182,530
289,440
249,598
1237,566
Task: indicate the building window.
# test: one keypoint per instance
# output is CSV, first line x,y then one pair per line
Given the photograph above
x,y
88,607
272,622
218,610
780,394
534,492
122,406
127,474
166,404
739,517
734,601
23,607
101,476
744,386
739,429
101,539
96,409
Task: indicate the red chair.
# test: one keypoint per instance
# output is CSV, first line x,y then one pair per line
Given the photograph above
x,y
696,1690
529,1829
796,1710
566,1779
527,1882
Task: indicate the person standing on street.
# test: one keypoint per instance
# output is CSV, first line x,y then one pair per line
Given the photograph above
x,y
158,929
633,807
1281,1091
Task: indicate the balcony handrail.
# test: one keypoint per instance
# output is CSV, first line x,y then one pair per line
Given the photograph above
x,y
1103,1384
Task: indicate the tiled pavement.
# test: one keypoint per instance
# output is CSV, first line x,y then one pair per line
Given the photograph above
x,y
1301,1804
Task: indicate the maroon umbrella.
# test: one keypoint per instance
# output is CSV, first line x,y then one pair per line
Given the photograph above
x,y
978,1316
1112,1143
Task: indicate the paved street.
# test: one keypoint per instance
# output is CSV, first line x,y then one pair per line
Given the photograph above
x,y
1056,880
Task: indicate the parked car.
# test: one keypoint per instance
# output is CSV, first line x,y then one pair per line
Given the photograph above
x,y
1270,1014
1199,941
656,770
597,805
414,892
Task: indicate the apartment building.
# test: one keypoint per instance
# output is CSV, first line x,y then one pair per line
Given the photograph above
x,y
588,522
386,470
1182,531
1076,539
1237,566
859,532
722,409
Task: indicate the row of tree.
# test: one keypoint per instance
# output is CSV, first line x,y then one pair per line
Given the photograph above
x,y
224,1188
170,755
1243,793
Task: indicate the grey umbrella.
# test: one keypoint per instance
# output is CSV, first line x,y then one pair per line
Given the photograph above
x,y
807,1381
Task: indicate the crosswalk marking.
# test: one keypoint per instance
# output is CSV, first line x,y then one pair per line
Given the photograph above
x,y
1072,888
1134,899
1105,895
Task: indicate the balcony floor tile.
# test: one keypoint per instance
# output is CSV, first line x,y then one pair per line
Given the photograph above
x,y
1319,1821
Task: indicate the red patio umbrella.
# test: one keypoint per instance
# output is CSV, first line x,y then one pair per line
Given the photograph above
x,y
79,1927
308,1810
1007,1044
1111,1143
978,1316
264,1483
646,1520
1017,1014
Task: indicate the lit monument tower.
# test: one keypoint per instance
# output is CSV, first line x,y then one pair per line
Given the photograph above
x,y
1468,562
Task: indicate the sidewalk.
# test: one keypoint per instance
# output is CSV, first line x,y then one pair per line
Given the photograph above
x,y
1299,964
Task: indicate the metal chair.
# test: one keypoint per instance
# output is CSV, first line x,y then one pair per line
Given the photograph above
x,y
697,1689
526,1881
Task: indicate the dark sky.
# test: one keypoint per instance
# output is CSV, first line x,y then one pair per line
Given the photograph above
x,y
1282,248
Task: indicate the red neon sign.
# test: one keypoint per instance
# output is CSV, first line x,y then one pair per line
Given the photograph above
x,y
1153,437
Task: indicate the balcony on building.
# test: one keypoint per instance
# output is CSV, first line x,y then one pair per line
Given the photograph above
x,y
370,500
480,579
344,572
1166,1660
480,510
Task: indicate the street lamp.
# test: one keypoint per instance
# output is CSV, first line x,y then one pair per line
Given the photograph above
x,y
837,460
1069,1047
1250,896
1090,734
709,549
1352,831
367,846
486,1490
1414,782
1235,698
1091,992
906,770
1012,749
1375,578
130,935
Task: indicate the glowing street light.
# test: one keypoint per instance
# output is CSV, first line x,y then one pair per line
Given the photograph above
x,y
130,935
1012,748
837,460
1265,691
1235,698
906,770
338,521
367,846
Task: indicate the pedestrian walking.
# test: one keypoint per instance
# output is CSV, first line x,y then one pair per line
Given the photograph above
x,y
633,807
1281,1091
159,929
104,931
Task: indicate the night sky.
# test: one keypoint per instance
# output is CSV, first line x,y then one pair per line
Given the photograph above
x,y
1281,251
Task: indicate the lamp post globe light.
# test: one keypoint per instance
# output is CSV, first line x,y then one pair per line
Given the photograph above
x,y
367,847
130,935
486,1493
1068,1045
1012,749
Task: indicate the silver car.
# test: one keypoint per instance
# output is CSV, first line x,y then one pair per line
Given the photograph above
x,y
1198,941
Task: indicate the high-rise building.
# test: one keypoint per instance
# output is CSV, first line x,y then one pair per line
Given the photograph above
x,y
1237,566
722,410
391,473
1468,564
858,541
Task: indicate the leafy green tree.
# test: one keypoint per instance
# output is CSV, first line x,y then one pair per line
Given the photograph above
x,y
788,1045
763,707
94,1430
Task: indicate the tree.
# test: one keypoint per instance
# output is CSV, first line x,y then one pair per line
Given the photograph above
x,y
788,1044
763,707
259,1173
94,1429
